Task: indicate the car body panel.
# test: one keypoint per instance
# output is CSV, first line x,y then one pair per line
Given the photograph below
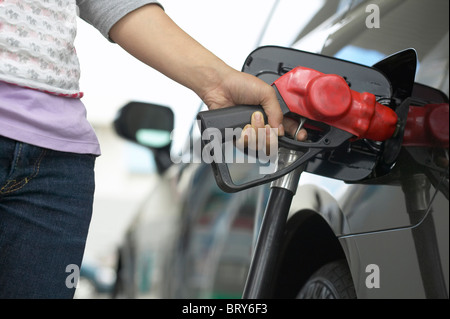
x,y
376,229
189,241
367,217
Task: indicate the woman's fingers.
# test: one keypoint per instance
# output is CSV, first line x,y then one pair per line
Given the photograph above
x,y
258,135
291,127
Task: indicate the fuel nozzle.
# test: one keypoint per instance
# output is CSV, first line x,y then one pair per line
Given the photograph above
x,y
327,98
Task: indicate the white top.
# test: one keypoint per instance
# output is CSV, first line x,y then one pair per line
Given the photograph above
x,y
36,45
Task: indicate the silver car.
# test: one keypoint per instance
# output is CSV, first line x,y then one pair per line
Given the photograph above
x,y
384,238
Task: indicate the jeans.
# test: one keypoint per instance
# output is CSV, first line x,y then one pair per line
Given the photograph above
x,y
46,202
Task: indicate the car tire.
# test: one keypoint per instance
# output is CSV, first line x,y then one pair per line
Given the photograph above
x,y
331,281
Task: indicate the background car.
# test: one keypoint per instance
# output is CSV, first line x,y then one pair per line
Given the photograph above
x,y
380,239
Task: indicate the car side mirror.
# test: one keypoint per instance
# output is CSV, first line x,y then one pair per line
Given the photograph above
x,y
149,125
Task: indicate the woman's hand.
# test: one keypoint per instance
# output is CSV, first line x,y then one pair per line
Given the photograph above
x,y
152,37
238,88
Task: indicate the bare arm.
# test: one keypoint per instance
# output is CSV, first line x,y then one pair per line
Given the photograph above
x,y
151,36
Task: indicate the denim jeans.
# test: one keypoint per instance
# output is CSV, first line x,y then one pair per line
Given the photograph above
x,y
46,202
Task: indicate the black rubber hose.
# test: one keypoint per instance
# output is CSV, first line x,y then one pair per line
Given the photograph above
x,y
261,274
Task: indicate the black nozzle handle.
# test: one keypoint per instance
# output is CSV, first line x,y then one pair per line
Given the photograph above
x,y
229,117
239,117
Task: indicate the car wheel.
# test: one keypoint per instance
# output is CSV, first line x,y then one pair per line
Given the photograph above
x,y
331,281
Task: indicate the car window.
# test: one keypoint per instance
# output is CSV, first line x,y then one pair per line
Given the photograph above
x,y
321,23
289,18
402,25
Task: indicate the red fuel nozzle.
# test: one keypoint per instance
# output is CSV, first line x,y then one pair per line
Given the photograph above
x,y
427,126
327,98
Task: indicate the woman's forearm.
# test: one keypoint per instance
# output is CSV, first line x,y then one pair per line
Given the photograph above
x,y
152,37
